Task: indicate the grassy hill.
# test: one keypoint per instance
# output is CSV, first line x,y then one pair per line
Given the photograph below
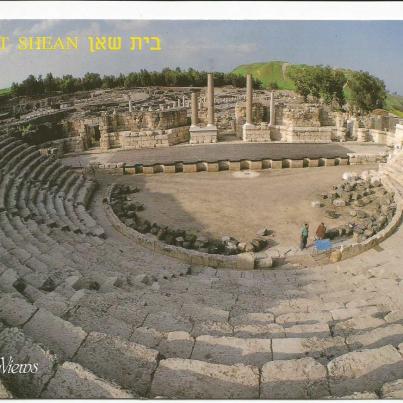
x,y
5,91
271,72
394,104
276,72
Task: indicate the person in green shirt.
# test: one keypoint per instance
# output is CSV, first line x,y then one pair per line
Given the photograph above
x,y
304,236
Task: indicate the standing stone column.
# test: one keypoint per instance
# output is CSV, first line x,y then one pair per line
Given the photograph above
x,y
130,106
272,110
194,109
210,100
249,99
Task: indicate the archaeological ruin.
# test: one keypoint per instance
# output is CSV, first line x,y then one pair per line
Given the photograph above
x,y
149,246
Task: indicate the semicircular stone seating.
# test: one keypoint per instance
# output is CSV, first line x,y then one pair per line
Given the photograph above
x,y
104,318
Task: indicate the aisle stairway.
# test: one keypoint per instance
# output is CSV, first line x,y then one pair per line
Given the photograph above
x,y
104,318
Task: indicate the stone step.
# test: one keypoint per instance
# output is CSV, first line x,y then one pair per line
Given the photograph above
x,y
364,370
132,365
56,333
38,365
177,378
72,381
302,378
392,390
4,392
232,350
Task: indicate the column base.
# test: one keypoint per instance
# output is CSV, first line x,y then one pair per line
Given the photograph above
x,y
245,128
203,135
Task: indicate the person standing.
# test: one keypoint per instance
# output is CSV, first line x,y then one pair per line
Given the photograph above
x,y
304,236
321,231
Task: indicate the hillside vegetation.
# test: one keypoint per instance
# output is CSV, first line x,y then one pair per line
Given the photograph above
x,y
275,74
268,73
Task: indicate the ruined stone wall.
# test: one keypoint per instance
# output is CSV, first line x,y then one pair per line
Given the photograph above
x,y
178,135
309,134
260,113
381,122
378,136
301,116
153,120
67,145
261,133
143,139
304,115
399,135
152,138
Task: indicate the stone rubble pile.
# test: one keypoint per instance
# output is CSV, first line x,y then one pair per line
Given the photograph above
x,y
369,205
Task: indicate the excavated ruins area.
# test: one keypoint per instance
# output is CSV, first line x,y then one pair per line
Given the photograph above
x,y
239,204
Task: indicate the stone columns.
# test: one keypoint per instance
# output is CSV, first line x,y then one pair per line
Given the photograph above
x,y
248,126
249,99
205,134
194,109
210,100
272,110
130,106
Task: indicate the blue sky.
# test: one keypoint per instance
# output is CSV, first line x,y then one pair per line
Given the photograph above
x,y
374,46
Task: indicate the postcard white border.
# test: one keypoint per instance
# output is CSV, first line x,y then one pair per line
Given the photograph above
x,y
203,10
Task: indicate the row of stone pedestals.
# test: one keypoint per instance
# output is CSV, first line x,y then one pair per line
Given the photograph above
x,y
227,165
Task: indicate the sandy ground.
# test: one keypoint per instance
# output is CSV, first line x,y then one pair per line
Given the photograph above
x,y
239,204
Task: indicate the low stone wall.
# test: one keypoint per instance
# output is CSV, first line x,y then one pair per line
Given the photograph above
x,y
242,261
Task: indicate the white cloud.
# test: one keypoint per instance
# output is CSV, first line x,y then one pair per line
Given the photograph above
x,y
41,27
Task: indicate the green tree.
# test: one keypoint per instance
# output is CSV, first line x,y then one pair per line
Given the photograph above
x,y
319,82
367,92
